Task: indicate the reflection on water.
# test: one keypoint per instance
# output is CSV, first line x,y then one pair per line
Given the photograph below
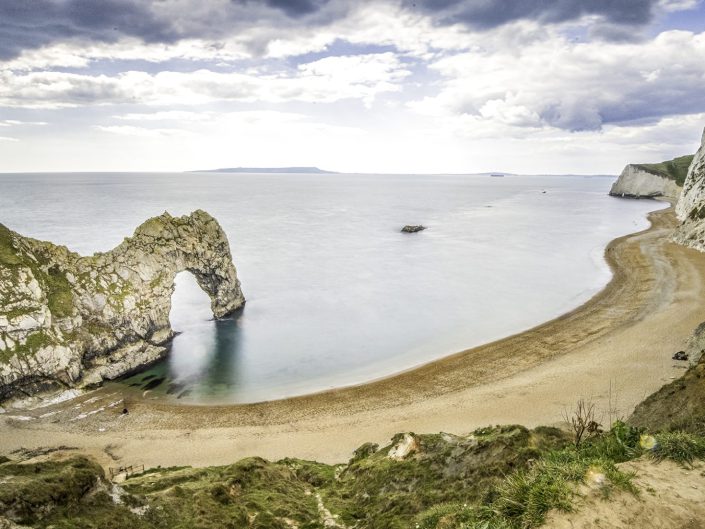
x,y
222,373
336,295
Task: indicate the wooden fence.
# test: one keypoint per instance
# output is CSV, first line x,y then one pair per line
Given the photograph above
x,y
128,471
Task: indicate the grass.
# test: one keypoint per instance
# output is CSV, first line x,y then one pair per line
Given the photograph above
x,y
52,280
28,490
680,447
676,169
497,478
8,253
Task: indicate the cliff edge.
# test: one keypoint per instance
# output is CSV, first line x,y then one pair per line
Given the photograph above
x,y
70,321
691,206
645,181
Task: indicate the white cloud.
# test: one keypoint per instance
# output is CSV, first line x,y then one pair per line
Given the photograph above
x,y
79,54
169,115
15,122
141,132
365,23
572,85
678,5
6,138
361,77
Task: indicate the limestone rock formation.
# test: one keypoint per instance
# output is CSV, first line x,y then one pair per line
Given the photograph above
x,y
68,320
637,181
691,205
413,228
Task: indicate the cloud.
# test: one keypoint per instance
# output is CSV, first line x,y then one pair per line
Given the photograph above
x,y
16,122
362,77
141,132
297,8
31,25
6,138
486,14
169,115
573,86
366,24
258,27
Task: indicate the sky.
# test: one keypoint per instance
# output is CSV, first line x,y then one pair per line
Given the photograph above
x,y
396,86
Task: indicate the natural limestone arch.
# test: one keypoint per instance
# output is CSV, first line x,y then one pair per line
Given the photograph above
x,y
70,320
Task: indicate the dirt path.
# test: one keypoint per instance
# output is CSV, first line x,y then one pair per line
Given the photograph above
x,y
616,349
671,497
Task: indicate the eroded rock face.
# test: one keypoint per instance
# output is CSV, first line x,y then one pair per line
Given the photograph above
x,y
636,182
68,320
691,206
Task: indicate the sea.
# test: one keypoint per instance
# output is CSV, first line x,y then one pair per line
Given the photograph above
x,y
336,294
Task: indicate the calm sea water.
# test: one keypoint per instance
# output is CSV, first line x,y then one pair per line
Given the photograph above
x,y
336,295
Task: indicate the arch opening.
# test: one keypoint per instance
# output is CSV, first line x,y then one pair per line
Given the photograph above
x,y
191,318
190,304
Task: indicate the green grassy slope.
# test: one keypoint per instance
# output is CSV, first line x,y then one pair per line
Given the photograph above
x,y
675,169
496,478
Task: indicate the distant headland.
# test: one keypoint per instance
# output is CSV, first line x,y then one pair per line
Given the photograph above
x,y
307,170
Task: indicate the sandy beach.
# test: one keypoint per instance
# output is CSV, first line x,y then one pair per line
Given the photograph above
x,y
615,349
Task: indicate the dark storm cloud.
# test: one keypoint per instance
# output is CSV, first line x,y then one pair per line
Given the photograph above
x,y
31,24
486,14
297,8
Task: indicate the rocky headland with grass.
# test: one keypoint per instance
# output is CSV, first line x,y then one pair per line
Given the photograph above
x,y
654,180
72,321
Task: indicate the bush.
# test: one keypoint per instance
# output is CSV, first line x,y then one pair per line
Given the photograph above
x,y
681,447
461,516
526,496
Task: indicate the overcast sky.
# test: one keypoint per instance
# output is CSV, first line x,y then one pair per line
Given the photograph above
x,y
422,86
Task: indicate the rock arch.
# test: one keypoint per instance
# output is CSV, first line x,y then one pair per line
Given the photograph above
x,y
68,320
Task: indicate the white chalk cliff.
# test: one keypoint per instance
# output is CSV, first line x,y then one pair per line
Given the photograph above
x,y
691,205
70,321
636,181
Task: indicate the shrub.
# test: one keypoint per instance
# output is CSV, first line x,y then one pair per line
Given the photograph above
x,y
681,447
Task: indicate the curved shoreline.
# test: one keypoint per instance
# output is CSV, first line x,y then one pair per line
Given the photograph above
x,y
620,339
441,375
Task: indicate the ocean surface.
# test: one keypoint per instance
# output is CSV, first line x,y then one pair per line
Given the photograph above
x,y
336,295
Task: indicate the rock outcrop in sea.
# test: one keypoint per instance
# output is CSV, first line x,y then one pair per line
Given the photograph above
x,y
636,181
691,206
71,321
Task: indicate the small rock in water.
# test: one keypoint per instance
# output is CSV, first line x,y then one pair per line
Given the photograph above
x,y
680,355
412,228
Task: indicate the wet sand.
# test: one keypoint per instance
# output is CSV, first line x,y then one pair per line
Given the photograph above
x,y
615,349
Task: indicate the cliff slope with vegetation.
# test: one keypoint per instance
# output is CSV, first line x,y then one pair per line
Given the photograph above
x,y
691,206
495,478
68,320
